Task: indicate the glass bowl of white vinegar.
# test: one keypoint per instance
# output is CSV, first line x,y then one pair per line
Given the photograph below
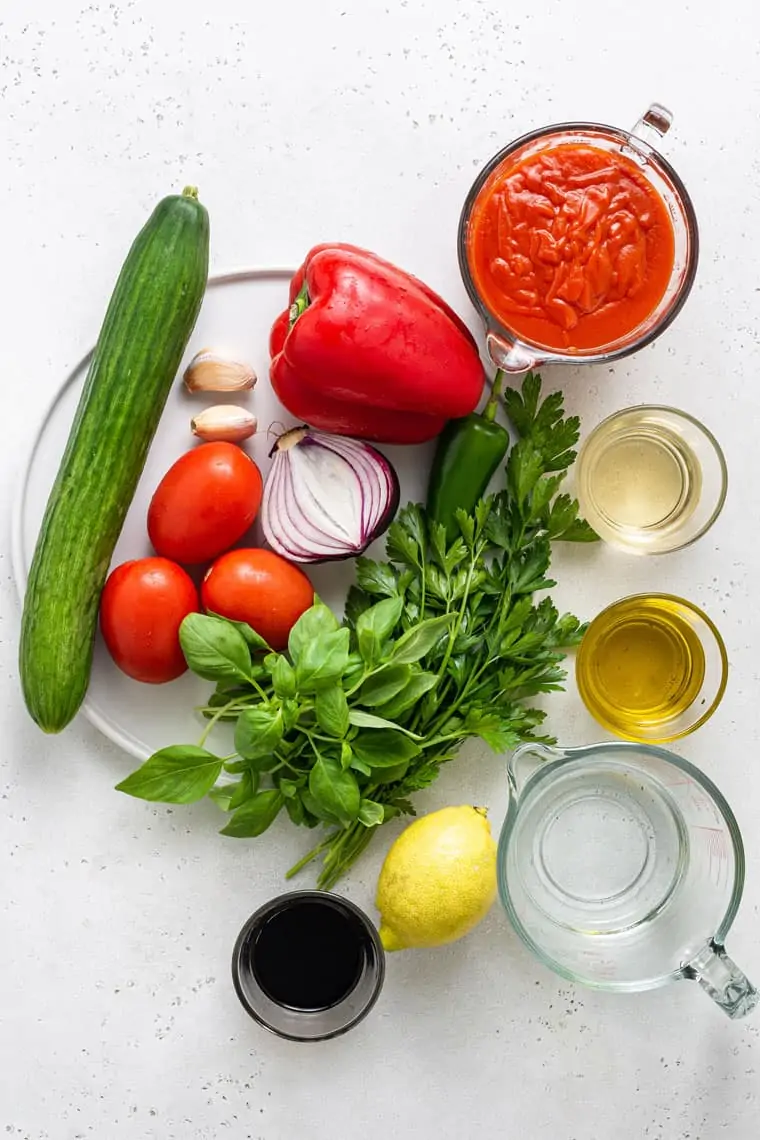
x,y
651,479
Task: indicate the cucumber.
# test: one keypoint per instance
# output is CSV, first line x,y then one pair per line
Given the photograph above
x,y
145,332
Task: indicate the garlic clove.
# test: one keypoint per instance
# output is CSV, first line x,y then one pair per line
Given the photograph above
x,y
209,371
224,422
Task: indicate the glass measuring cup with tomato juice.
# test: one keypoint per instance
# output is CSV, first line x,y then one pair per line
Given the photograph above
x,y
578,243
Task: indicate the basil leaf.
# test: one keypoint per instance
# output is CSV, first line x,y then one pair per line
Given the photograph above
x,y
314,807
180,774
359,766
375,625
390,775
255,816
230,796
247,787
346,755
296,811
283,677
323,660
383,748
253,639
257,733
361,719
420,639
354,670
335,790
419,684
235,767
214,648
385,684
331,708
222,795
289,788
290,713
371,813
313,622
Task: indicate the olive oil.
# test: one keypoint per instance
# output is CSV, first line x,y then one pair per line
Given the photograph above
x,y
641,666
640,480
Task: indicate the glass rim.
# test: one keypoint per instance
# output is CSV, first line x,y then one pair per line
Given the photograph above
x,y
271,906
542,353
666,737
720,456
620,746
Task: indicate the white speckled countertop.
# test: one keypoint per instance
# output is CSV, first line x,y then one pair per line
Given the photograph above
x,y
362,120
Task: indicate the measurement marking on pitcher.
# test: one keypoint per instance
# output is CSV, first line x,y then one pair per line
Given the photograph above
x,y
717,852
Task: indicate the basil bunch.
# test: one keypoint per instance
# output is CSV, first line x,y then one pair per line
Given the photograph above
x,y
302,720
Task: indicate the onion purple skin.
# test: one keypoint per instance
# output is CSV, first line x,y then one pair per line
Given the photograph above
x,y
340,445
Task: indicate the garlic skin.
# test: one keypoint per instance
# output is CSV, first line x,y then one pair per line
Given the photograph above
x,y
223,422
209,371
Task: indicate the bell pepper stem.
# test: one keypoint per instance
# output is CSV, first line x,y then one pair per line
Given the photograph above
x,y
489,411
300,305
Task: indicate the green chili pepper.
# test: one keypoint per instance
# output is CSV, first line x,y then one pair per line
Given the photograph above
x,y
468,453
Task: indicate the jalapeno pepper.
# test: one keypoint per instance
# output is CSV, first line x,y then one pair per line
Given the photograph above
x,y
468,453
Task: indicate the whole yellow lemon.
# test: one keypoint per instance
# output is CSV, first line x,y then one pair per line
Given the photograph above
x,y
438,880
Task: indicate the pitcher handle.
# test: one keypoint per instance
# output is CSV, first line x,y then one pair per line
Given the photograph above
x,y
526,761
721,978
653,124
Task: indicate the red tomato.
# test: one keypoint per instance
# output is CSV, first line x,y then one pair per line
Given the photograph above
x,y
141,609
261,588
205,502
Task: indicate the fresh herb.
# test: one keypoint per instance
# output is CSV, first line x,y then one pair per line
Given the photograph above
x,y
442,642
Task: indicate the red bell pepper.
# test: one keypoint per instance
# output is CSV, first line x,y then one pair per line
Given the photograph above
x,y
369,351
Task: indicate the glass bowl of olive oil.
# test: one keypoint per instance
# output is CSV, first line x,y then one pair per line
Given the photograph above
x,y
652,668
651,479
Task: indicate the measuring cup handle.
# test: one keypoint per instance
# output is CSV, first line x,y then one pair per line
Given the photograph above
x,y
653,124
721,978
526,761
510,358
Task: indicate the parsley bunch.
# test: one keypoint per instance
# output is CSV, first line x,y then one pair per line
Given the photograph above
x,y
441,642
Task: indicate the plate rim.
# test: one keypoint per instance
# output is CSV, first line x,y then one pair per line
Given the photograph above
x,y
123,738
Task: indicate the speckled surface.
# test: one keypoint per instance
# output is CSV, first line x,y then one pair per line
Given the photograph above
x,y
363,121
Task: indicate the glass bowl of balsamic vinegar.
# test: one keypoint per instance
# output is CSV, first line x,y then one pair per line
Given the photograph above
x,y
308,965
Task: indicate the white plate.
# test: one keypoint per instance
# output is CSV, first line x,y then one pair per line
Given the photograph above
x,y
237,314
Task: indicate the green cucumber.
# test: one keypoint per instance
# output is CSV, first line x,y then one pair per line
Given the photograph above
x,y
145,332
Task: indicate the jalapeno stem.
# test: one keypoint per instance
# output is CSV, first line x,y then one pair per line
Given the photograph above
x,y
489,411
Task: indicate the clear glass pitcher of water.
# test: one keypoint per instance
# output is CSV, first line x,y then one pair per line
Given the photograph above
x,y
621,866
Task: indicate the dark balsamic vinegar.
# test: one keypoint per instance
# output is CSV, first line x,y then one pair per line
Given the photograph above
x,y
309,954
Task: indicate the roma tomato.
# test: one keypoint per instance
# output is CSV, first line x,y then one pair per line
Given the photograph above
x,y
141,609
205,502
260,588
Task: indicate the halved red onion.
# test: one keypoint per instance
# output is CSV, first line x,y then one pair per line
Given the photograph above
x,y
326,497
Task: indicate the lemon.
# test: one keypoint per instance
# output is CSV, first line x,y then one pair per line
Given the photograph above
x,y
438,879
